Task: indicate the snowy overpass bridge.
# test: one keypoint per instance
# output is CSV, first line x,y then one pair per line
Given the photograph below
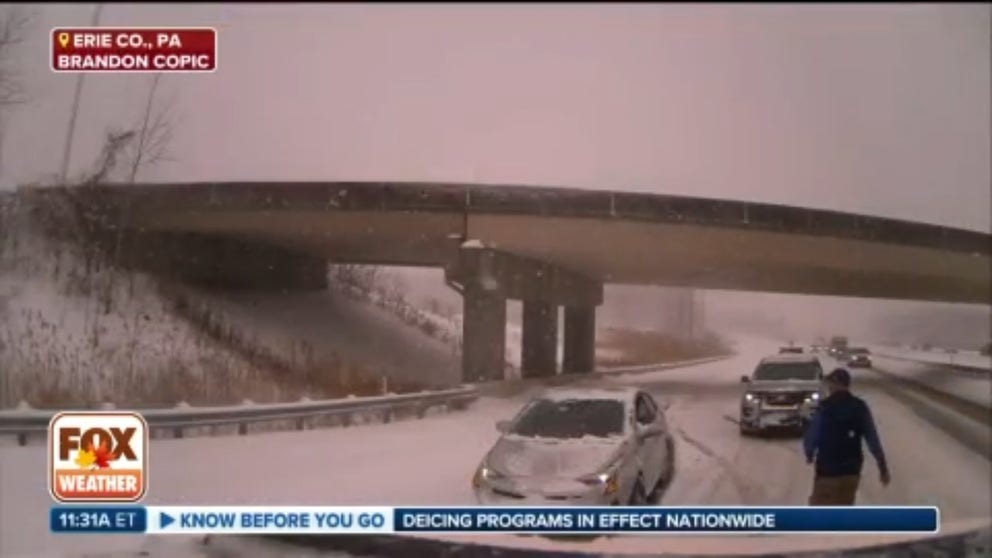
x,y
548,247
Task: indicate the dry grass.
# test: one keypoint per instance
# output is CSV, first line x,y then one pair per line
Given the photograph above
x,y
650,347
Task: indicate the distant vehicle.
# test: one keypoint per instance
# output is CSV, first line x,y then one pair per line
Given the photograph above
x,y
858,357
783,391
592,446
838,346
790,351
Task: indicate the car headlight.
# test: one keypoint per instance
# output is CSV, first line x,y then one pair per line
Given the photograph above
x,y
485,473
750,397
813,397
608,481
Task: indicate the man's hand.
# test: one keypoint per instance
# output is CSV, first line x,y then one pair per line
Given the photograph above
x,y
884,477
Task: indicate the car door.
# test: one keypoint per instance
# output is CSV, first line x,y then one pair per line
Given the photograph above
x,y
651,448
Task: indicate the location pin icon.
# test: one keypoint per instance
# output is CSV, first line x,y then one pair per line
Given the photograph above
x,y
64,39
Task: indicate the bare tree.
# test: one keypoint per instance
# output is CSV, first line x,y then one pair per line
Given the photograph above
x,y
14,24
140,146
13,30
115,145
154,133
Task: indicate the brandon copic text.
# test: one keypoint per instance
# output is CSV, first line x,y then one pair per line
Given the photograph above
x,y
134,50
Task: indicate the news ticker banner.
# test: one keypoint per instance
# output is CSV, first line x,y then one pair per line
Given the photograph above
x,y
450,520
134,49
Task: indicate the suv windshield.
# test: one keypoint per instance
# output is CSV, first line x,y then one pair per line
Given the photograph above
x,y
787,371
573,418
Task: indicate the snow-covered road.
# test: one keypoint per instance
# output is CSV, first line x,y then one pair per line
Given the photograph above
x,y
431,461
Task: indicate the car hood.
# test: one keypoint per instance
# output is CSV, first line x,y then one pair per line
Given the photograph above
x,y
783,386
519,456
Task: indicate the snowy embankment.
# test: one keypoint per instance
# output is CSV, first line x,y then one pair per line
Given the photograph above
x,y
329,329
431,462
73,333
974,385
961,384
972,360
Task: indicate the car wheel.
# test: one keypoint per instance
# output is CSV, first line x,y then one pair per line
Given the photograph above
x,y
638,495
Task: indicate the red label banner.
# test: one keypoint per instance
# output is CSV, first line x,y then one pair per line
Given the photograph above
x,y
139,49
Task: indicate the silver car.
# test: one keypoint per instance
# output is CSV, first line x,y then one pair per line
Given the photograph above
x,y
784,391
594,446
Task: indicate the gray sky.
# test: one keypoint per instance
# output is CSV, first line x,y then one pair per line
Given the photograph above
x,y
877,109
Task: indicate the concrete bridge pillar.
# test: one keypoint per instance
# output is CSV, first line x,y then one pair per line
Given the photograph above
x,y
483,335
580,340
539,349
487,278
476,276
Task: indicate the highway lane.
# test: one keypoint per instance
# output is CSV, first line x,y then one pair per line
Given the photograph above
x,y
930,466
430,461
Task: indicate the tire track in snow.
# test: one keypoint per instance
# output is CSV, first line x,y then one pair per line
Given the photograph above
x,y
779,479
745,491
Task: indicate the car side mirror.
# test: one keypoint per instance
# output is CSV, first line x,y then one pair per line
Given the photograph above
x,y
745,380
503,426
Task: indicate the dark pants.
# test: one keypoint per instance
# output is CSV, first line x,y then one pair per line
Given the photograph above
x,y
834,491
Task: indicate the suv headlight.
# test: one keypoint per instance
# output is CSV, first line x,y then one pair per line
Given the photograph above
x,y
750,397
813,397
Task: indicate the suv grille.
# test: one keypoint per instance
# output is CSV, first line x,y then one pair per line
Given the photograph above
x,y
784,398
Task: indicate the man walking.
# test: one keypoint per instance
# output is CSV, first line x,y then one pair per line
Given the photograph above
x,y
833,439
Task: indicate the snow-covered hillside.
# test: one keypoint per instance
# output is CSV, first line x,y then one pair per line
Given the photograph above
x,y
73,333
69,334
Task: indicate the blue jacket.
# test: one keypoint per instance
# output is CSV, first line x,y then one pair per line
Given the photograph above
x,y
835,433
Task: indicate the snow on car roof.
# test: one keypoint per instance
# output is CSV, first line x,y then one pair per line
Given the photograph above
x,y
623,395
619,393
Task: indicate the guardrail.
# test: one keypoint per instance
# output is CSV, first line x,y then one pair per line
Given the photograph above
x,y
641,368
25,421
502,388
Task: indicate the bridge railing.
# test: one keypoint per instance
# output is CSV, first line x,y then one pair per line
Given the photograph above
x,y
24,421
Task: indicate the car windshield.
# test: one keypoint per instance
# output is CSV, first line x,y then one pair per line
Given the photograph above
x,y
572,418
787,371
858,351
